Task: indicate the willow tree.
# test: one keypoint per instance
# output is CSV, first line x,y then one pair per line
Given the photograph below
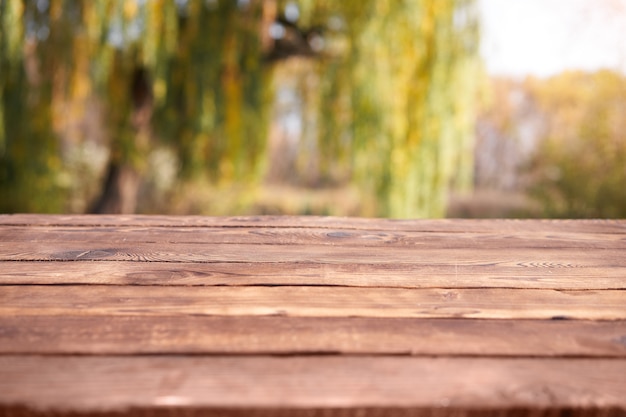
x,y
402,91
29,153
391,105
217,90
58,54
196,64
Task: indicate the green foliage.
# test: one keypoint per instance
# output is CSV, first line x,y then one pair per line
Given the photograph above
x,y
581,166
390,108
217,92
29,155
409,75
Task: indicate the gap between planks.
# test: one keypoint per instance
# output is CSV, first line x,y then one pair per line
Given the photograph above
x,y
421,225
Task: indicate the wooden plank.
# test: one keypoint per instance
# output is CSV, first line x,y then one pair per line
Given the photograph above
x,y
311,237
302,301
115,383
164,252
424,225
478,275
123,335
310,313
185,411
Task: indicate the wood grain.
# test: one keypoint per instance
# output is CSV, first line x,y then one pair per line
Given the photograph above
x,y
115,383
146,252
417,275
307,316
300,301
252,335
312,237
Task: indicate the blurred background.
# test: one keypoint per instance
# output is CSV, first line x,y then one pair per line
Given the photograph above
x,y
376,108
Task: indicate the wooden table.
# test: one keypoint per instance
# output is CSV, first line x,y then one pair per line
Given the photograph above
x,y
308,316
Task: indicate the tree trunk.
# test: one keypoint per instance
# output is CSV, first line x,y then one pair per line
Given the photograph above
x,y
119,193
123,177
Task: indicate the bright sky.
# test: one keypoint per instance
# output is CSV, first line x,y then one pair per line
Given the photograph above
x,y
544,37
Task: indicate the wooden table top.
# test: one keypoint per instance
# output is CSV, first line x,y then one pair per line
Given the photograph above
x,y
307,316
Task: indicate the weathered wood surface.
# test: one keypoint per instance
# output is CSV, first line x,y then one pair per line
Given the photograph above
x,y
312,381
132,334
313,301
311,316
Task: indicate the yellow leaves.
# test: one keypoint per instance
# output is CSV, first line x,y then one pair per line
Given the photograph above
x,y
408,72
56,9
233,112
215,91
574,97
154,23
583,115
131,8
11,34
81,81
159,37
92,19
160,90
